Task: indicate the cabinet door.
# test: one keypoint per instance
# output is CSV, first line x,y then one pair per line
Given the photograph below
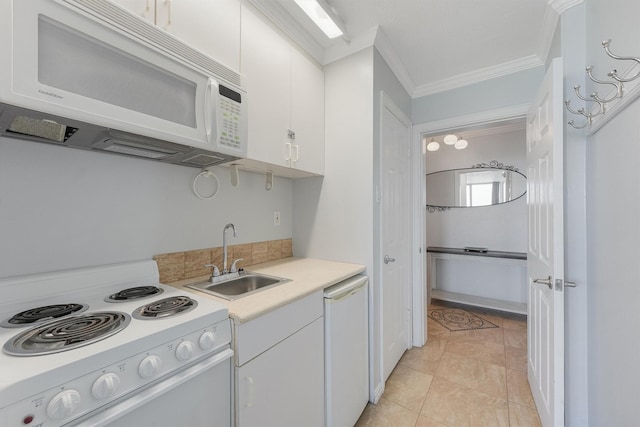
x,y
212,27
284,386
143,8
307,113
266,64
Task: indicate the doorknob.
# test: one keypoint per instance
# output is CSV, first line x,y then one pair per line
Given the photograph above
x,y
544,282
570,284
388,259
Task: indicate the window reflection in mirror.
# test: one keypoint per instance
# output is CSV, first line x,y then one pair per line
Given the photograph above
x,y
474,187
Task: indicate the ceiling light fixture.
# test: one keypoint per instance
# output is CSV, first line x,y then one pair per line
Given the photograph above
x,y
322,15
433,145
450,139
461,144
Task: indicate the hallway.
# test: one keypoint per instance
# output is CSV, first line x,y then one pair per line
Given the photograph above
x,y
461,378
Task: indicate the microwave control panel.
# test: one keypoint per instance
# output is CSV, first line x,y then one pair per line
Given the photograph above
x,y
231,110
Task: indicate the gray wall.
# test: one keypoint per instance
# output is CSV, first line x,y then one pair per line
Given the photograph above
x,y
613,229
506,91
66,208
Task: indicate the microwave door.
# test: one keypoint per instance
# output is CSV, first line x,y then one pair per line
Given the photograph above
x,y
67,62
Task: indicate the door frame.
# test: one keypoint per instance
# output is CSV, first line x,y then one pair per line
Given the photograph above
x,y
420,237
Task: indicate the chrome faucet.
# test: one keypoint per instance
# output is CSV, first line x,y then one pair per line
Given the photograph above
x,y
224,245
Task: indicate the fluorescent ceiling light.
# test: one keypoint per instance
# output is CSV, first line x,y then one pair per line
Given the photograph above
x,y
321,14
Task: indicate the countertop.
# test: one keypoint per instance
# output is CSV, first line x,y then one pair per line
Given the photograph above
x,y
307,275
490,254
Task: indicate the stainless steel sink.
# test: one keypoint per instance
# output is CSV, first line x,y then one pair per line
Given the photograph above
x,y
240,286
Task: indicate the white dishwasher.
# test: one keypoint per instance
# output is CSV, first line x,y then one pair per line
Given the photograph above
x,y
346,336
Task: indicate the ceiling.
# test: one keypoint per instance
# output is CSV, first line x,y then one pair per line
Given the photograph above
x,y
431,45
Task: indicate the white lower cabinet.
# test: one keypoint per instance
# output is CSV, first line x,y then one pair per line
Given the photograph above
x,y
279,377
284,386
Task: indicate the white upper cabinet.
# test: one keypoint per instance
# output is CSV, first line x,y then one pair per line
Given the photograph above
x,y
286,91
266,65
307,114
212,27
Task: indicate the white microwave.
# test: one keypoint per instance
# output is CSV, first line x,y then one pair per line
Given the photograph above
x,y
90,74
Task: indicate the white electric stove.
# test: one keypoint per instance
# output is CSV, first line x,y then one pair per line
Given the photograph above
x,y
101,345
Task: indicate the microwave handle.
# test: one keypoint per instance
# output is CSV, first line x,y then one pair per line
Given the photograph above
x,y
211,101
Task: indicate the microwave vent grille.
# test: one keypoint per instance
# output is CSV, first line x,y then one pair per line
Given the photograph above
x,y
130,23
203,160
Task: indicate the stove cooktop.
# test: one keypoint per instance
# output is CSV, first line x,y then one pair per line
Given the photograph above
x,y
66,305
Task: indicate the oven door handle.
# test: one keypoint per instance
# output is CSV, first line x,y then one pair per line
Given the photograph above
x,y
163,386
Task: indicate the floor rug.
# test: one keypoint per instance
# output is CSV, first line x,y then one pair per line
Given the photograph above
x,y
456,319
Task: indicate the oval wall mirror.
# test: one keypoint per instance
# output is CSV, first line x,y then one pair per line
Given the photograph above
x,y
473,187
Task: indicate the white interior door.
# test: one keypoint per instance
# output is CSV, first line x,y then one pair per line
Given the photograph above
x,y
395,223
546,249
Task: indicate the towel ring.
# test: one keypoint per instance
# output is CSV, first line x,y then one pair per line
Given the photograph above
x,y
207,174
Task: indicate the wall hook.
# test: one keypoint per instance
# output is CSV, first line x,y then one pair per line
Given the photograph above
x,y
592,98
587,124
614,73
618,86
581,112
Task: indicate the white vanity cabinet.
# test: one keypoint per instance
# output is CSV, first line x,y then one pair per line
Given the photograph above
x,y
287,97
212,27
279,375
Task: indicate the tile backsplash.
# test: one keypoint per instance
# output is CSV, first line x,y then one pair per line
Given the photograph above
x,y
186,265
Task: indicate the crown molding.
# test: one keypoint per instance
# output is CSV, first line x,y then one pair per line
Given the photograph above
x,y
342,50
549,24
477,76
561,5
383,45
477,119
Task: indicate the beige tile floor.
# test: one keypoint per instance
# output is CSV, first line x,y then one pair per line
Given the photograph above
x,y
464,378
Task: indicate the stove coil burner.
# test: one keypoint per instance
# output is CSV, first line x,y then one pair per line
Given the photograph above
x,y
43,314
165,308
67,334
134,293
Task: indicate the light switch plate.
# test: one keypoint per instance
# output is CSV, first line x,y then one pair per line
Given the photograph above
x,y
276,218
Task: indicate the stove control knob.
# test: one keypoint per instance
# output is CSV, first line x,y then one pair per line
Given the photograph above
x,y
105,386
149,366
184,351
63,404
207,340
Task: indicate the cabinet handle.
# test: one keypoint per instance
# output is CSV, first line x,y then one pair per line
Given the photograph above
x,y
287,156
295,150
168,3
250,397
210,103
147,10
